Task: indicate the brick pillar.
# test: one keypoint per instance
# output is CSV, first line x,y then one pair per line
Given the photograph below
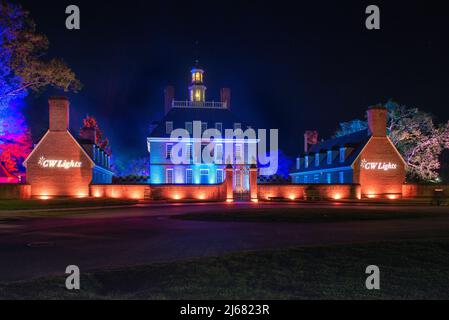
x,y
59,113
229,183
225,97
253,183
377,121
169,96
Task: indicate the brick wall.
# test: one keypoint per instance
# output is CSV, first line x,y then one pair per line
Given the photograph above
x,y
118,191
380,183
161,192
59,181
423,190
15,191
298,191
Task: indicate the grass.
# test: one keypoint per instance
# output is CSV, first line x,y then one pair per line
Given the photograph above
x,y
308,215
408,270
61,203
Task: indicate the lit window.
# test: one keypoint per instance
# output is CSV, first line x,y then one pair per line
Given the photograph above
x,y
342,154
329,157
169,176
317,159
298,163
189,127
168,127
204,176
328,177
218,152
306,179
168,148
189,152
341,176
220,175
219,126
189,176
238,152
197,95
306,161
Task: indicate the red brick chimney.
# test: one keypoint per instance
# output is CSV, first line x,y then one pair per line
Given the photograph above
x,y
377,121
310,138
59,113
169,96
225,97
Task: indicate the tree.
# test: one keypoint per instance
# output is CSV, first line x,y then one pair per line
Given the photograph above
x,y
23,69
91,123
419,140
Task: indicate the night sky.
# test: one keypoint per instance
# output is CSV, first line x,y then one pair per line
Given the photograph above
x,y
308,66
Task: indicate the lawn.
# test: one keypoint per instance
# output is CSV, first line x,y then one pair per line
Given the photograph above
x,y
408,270
61,203
313,214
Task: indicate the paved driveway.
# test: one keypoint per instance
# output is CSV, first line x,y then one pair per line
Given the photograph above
x,y
120,237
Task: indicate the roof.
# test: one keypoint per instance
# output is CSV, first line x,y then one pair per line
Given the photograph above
x,y
179,116
354,143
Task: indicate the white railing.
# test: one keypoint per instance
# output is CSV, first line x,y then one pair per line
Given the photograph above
x,y
197,104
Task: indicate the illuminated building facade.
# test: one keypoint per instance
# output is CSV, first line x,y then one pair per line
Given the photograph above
x,y
366,157
62,165
197,116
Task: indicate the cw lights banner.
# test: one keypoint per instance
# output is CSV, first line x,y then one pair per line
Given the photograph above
x,y
58,163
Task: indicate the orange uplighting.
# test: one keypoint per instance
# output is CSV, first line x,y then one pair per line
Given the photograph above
x,y
371,196
291,197
337,196
44,197
176,196
229,200
392,196
255,200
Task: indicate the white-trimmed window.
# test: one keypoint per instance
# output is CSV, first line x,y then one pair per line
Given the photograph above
x,y
341,177
169,176
306,179
329,157
168,127
306,162
204,176
298,163
189,176
329,177
203,126
342,154
237,126
218,152
220,177
168,148
238,152
219,127
317,159
189,151
189,127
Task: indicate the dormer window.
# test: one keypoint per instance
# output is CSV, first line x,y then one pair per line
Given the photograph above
x,y
219,126
168,127
342,154
203,126
306,161
329,157
237,126
317,159
298,163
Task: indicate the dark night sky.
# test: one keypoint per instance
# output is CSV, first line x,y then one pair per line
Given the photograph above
x,y
307,66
